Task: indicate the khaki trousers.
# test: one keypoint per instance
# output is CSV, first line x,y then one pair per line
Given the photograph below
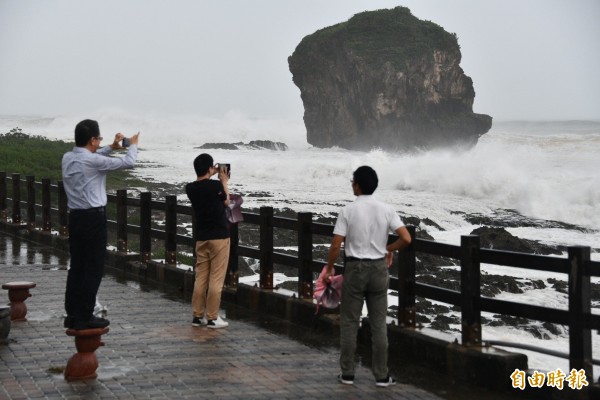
x,y
212,257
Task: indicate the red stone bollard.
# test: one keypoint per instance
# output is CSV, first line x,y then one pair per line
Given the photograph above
x,y
84,363
18,292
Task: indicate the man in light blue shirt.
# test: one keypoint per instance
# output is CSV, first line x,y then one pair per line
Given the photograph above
x,y
84,171
363,227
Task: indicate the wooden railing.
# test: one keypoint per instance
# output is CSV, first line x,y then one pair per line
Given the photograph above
x,y
577,266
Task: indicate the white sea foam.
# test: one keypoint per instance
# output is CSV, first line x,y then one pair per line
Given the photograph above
x,y
545,170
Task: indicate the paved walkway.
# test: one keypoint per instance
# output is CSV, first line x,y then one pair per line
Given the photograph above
x,y
152,351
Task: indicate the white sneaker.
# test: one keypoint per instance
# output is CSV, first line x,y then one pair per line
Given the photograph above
x,y
346,379
216,323
385,382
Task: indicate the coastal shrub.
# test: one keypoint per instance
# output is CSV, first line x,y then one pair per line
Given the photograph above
x,y
31,155
41,157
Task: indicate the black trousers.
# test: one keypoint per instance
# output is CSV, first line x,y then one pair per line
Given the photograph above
x,y
87,245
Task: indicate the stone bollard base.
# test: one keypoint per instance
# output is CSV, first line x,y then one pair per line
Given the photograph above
x,y
84,363
18,292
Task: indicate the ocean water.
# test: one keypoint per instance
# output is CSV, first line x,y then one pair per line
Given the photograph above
x,y
542,170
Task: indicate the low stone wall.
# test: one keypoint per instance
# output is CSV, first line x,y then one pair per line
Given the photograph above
x,y
487,366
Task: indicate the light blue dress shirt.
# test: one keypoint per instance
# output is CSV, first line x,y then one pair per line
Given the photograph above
x,y
84,174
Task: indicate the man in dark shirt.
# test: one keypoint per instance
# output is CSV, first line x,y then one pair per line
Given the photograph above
x,y
209,200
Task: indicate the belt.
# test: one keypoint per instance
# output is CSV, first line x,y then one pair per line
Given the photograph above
x,y
350,258
101,210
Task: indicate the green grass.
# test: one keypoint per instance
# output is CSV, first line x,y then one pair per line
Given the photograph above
x,y
41,157
182,258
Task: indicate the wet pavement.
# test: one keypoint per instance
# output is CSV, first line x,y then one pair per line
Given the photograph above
x,y
152,351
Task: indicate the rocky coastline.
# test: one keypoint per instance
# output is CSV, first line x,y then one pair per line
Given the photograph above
x,y
434,270
441,271
252,145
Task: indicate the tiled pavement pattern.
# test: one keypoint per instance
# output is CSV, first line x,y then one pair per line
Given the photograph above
x,y
152,351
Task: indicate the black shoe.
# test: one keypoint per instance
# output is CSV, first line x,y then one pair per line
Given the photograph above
x,y
93,323
385,382
346,379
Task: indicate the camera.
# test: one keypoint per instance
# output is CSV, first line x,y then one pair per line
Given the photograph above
x,y
125,142
226,166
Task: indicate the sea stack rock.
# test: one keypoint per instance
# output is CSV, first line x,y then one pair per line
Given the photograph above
x,y
385,79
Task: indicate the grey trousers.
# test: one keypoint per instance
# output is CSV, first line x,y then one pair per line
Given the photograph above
x,y
364,281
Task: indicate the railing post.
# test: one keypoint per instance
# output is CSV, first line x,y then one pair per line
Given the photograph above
x,y
305,250
63,211
16,198
266,248
580,337
406,284
232,277
145,226
171,229
46,205
30,201
470,289
3,213
122,220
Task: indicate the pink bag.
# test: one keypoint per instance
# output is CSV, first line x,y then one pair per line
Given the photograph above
x,y
234,211
328,294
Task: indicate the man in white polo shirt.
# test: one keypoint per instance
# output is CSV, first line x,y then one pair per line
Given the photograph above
x,y
363,226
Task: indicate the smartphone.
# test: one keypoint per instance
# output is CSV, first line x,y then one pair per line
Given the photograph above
x,y
227,168
125,142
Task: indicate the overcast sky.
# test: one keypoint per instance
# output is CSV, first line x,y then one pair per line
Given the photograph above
x,y
529,59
